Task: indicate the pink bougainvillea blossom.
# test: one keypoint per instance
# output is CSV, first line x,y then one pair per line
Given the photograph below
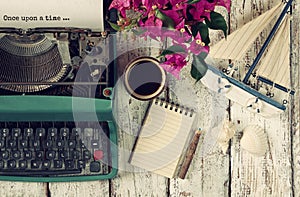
x,y
121,5
180,21
174,15
182,34
154,4
180,6
202,10
174,63
197,46
151,28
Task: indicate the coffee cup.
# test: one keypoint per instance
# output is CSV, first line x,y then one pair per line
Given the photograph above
x,y
144,78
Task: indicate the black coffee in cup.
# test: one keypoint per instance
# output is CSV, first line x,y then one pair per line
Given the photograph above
x,y
144,78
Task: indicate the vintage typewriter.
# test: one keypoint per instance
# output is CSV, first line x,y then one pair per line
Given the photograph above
x,y
56,121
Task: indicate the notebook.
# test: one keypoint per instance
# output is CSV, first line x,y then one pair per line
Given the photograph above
x,y
164,139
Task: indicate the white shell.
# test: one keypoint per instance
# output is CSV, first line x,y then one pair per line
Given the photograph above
x,y
254,140
227,132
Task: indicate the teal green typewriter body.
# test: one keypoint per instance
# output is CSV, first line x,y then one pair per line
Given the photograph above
x,y
56,116
54,108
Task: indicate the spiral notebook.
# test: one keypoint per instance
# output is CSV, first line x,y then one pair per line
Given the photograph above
x,y
163,139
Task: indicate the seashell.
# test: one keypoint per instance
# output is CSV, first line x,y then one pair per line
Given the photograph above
x,y
226,134
254,140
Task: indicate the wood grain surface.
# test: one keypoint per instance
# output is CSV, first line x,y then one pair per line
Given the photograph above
x,y
212,172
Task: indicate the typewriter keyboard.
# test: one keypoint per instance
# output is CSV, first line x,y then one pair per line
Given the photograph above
x,y
54,148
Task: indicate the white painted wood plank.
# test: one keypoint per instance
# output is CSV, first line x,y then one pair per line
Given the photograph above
x,y
295,78
89,188
208,173
262,176
132,181
270,175
12,189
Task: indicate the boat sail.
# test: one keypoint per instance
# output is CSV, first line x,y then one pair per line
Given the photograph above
x,y
271,67
235,46
275,64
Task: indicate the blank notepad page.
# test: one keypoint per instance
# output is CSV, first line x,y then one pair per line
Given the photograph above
x,y
162,138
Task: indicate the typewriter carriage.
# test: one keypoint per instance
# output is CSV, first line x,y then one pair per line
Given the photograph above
x,y
36,94
26,61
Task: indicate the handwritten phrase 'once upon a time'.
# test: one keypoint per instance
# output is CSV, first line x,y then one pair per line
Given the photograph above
x,y
34,18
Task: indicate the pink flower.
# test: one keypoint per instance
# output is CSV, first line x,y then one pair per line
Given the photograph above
x,y
153,21
174,15
182,28
152,27
151,5
158,3
174,63
136,4
201,10
180,6
182,35
153,17
179,35
197,46
121,5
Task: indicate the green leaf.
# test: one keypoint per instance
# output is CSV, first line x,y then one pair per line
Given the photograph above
x,y
217,22
202,55
168,22
199,67
203,30
192,1
114,26
172,49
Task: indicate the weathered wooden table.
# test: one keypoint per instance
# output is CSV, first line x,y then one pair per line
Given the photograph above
x,y
212,173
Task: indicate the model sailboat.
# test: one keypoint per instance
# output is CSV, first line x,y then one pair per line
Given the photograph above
x,y
271,66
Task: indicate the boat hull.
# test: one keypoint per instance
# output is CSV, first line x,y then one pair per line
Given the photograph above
x,y
242,94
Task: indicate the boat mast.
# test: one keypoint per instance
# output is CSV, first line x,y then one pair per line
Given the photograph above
x,y
267,42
